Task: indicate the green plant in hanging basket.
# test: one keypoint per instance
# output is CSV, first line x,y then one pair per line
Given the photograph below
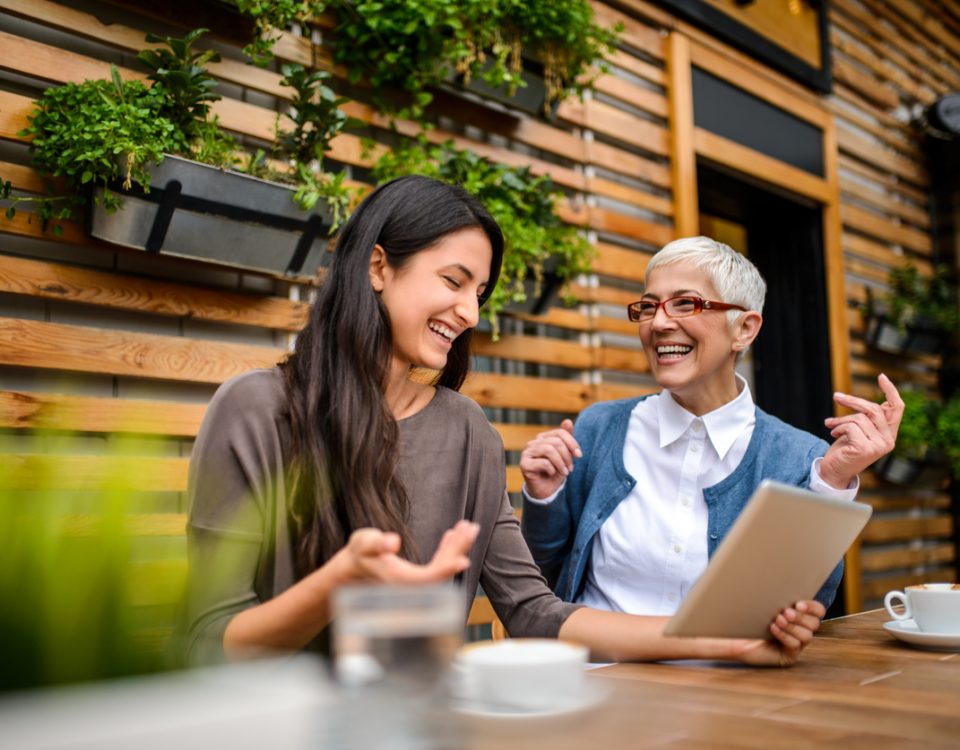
x,y
95,133
917,300
269,18
397,46
106,133
947,432
535,239
918,431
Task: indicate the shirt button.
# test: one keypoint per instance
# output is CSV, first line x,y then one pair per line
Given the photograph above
x,y
694,448
677,548
671,596
684,500
697,426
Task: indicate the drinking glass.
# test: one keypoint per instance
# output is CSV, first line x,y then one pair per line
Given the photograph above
x,y
392,649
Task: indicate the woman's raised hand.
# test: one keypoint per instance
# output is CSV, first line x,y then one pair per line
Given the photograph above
x,y
548,459
862,437
373,555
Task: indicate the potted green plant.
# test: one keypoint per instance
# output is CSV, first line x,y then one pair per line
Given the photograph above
x,y
412,47
156,153
919,457
541,253
917,314
947,432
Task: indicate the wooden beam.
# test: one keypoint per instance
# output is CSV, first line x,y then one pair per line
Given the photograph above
x,y
517,392
727,153
82,473
124,292
683,160
55,346
54,411
537,349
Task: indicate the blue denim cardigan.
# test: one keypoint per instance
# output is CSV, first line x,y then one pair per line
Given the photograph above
x,y
560,535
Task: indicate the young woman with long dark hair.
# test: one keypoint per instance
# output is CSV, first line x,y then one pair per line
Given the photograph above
x,y
338,467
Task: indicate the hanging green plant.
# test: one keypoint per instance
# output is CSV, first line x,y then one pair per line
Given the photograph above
x,y
537,242
408,47
99,134
272,16
403,48
916,315
94,134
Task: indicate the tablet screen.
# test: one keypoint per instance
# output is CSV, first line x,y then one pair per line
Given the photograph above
x,y
780,550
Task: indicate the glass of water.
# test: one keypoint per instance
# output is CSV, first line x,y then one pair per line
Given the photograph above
x,y
392,649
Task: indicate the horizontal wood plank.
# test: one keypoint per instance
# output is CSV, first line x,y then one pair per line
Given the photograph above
x,y
893,529
93,473
28,343
124,292
517,392
872,560
63,412
534,349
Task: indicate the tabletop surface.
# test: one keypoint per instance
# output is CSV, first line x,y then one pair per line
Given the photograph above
x,y
854,686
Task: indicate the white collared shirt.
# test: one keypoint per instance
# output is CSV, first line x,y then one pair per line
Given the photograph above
x,y
653,547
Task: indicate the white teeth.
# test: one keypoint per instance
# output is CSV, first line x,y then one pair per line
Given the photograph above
x,y
674,349
442,330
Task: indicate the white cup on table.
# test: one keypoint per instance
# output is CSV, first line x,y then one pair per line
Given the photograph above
x,y
934,607
521,674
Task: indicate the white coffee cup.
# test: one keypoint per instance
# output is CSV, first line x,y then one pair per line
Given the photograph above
x,y
520,674
934,607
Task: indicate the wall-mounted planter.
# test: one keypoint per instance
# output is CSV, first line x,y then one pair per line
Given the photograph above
x,y
200,212
538,300
529,99
921,337
929,471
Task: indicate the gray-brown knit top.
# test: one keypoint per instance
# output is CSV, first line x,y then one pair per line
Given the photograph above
x,y
240,550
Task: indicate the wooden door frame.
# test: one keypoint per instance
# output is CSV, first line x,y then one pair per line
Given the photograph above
x,y
687,48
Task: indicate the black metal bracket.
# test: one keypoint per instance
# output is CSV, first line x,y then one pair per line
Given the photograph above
x,y
171,197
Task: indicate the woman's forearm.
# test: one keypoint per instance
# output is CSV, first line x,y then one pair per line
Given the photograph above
x,y
612,636
289,621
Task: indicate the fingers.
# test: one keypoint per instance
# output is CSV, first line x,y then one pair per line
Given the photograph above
x,y
811,606
548,459
887,414
795,626
861,405
554,452
375,554
455,544
890,392
370,542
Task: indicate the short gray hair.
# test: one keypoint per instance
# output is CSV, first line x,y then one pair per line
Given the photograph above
x,y
734,277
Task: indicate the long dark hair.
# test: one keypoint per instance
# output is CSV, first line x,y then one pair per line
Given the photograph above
x,y
344,451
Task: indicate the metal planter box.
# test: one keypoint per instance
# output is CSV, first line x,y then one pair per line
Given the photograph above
x,y
923,337
201,212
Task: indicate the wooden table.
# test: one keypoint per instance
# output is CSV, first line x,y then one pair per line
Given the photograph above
x,y
854,687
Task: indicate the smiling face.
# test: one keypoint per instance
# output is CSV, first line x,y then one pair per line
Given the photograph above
x,y
694,357
434,297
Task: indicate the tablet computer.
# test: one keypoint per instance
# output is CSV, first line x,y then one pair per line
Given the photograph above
x,y
780,550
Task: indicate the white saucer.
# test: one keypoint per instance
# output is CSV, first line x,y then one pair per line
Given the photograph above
x,y
590,696
908,632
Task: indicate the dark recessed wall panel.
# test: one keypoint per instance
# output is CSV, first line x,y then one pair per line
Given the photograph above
x,y
731,112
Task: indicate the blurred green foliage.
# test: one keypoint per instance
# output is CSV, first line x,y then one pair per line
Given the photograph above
x,y
73,574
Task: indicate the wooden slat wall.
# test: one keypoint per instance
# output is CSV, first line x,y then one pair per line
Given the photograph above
x,y
888,59
109,343
121,343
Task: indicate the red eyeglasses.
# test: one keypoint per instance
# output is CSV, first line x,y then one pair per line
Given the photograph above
x,y
676,307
